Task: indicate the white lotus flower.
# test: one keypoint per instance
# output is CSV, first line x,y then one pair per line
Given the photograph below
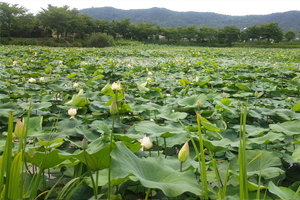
x,y
31,80
146,143
42,79
60,62
149,73
72,112
75,85
15,62
116,86
149,79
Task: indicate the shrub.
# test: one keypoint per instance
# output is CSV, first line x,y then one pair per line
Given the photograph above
x,y
100,40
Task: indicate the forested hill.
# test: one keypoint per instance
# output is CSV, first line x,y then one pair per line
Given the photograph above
x,y
167,18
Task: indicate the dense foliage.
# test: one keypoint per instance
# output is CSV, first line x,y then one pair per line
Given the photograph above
x,y
167,18
80,133
66,23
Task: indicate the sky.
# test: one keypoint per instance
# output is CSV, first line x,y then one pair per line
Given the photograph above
x,y
228,7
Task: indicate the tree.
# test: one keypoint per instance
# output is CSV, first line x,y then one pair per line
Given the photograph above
x,y
252,32
60,19
207,34
289,35
101,25
271,31
124,28
143,31
169,33
190,32
229,34
8,15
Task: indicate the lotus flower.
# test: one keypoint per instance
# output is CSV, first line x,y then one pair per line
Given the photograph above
x,y
116,86
148,79
149,73
72,112
146,143
31,80
42,79
75,85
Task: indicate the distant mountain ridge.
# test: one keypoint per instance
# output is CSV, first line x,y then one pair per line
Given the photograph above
x,y
167,18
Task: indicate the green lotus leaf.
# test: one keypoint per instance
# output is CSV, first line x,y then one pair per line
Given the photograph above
x,y
78,101
296,154
152,173
96,159
296,107
155,130
173,116
216,145
191,101
266,139
243,87
35,106
283,192
251,130
45,160
107,90
271,164
288,128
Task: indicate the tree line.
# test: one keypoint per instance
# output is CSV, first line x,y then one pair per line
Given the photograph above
x,y
64,22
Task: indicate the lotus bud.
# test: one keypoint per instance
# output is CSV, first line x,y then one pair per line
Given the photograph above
x,y
60,62
148,79
289,99
199,116
23,79
15,62
84,85
116,86
42,79
8,84
84,144
224,95
199,103
113,108
19,129
31,80
256,93
149,73
146,143
72,112
184,152
239,103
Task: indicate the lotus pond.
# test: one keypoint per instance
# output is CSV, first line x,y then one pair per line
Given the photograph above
x,y
88,123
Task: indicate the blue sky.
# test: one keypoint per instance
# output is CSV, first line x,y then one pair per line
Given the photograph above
x,y
229,7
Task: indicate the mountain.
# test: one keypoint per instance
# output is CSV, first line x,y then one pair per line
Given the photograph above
x,y
168,18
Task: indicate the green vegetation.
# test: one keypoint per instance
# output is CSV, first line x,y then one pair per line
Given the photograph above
x,y
70,28
109,123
